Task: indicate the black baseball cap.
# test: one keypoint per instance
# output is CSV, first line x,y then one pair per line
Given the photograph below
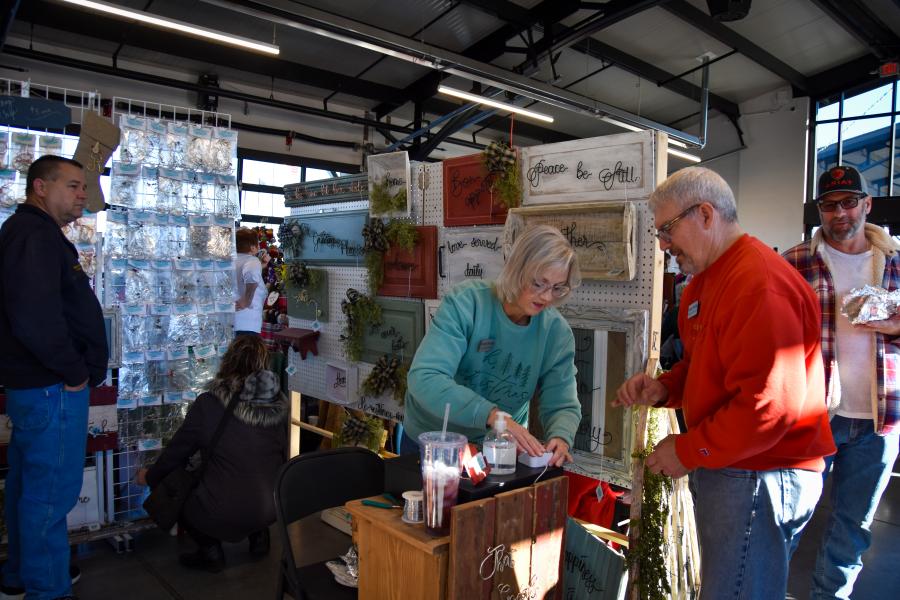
x,y
841,178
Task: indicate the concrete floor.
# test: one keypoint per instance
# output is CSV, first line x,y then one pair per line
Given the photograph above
x,y
151,571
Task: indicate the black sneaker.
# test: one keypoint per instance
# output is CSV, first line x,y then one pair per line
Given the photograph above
x,y
8,592
207,558
259,543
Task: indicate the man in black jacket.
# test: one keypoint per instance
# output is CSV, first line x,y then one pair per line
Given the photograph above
x,y
52,349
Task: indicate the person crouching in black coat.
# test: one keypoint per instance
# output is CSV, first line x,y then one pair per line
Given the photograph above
x,y
234,499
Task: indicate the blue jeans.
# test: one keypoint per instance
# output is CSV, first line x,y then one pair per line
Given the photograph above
x,y
746,522
862,469
46,465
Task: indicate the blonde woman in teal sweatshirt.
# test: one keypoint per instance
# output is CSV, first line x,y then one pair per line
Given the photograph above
x,y
493,346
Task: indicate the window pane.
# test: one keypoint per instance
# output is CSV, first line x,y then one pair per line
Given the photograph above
x,y
250,203
317,174
826,148
866,146
267,173
827,111
872,102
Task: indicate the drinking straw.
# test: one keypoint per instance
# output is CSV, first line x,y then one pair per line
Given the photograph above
x,y
446,417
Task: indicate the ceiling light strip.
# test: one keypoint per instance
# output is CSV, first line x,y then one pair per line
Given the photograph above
x,y
496,104
195,30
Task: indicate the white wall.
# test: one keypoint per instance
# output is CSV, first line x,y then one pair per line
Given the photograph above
x,y
772,180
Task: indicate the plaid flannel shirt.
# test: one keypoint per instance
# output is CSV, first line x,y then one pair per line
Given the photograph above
x,y
887,349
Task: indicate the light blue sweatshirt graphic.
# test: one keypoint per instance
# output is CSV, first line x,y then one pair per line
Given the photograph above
x,y
476,359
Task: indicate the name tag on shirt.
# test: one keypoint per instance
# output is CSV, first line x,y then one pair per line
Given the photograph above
x,y
485,345
693,309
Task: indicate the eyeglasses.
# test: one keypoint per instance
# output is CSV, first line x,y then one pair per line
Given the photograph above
x,y
558,291
846,203
664,231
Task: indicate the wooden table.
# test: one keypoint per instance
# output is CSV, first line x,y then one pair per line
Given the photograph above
x,y
508,546
397,561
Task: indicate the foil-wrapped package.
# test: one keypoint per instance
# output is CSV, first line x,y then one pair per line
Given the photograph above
x,y
870,303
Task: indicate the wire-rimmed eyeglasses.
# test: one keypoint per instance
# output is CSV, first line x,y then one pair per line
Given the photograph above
x,y
664,231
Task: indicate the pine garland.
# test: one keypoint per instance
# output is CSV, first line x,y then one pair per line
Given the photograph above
x,y
647,554
402,234
388,373
382,201
378,239
361,311
360,430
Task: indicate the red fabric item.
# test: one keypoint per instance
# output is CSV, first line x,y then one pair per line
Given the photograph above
x,y
751,383
583,503
267,333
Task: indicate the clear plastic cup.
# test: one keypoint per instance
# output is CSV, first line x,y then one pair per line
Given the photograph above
x,y
441,463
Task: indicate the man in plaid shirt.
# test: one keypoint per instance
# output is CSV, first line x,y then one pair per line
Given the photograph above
x,y
861,363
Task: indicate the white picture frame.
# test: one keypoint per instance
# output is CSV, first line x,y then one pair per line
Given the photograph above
x,y
395,167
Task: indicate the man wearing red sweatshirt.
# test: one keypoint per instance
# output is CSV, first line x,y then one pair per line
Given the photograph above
x,y
751,385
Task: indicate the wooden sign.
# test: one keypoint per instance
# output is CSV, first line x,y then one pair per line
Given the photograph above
x,y
592,569
34,113
412,274
310,302
332,238
472,253
340,380
610,346
612,167
431,308
401,330
383,407
349,188
468,195
510,546
602,234
391,169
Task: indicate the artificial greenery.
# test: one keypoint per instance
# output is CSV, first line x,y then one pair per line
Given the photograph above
x,y
648,554
360,430
382,201
402,234
361,311
302,276
502,163
378,238
388,373
290,235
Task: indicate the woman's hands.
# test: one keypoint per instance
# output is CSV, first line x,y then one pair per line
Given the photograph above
x,y
525,442
140,477
560,451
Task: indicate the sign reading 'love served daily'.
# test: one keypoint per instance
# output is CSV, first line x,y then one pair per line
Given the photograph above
x,y
471,253
612,167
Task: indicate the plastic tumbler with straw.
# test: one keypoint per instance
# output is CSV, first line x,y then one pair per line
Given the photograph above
x,y
441,451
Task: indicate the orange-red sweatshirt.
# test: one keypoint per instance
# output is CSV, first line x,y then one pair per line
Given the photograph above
x,y
751,383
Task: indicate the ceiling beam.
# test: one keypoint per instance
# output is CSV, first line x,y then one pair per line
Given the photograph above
x,y
8,9
864,25
645,70
843,77
62,18
724,34
485,50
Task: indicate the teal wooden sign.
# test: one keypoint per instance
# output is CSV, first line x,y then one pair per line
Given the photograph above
x,y
309,302
331,238
592,570
401,330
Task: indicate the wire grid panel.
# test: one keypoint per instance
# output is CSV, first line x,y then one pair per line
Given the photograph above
x,y
171,112
78,100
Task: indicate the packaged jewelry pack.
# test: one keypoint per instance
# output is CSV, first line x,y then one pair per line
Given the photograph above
x,y
125,185
157,132
157,372
49,144
133,145
8,188
143,235
22,151
172,152
132,375
227,199
115,239
198,149
178,236
134,330
163,282
170,192
185,281
116,269
205,271
223,151
205,364
180,374
139,282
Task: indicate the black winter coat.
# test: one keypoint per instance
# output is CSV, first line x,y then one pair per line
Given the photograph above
x,y
235,495
51,325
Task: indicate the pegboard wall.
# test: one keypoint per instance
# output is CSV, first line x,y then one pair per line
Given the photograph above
x,y
428,209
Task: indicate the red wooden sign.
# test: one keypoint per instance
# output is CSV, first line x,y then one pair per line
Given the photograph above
x,y
412,274
468,195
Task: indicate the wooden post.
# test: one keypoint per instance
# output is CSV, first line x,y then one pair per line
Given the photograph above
x,y
294,446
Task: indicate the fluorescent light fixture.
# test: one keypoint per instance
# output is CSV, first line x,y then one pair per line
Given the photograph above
x,y
151,19
501,105
690,157
670,150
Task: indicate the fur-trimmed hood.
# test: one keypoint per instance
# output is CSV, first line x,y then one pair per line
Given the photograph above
x,y
258,412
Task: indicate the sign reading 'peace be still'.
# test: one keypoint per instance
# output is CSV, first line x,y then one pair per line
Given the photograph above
x,y
614,167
